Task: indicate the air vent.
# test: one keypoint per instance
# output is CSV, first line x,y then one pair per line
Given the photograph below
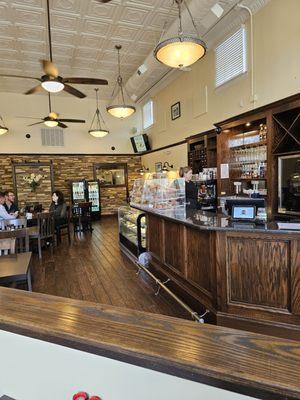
x,y
52,137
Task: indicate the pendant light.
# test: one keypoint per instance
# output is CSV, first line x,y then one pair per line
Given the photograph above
x,y
3,128
97,130
182,50
121,109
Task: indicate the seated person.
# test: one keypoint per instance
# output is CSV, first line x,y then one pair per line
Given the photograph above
x,y
59,208
10,202
3,213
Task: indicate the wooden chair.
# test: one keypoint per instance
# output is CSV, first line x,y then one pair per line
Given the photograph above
x,y
44,231
82,217
64,228
7,246
20,236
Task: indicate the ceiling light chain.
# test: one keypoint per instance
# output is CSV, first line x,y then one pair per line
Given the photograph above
x,y
98,132
183,50
121,110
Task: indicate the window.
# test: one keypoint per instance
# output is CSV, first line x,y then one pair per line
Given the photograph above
x,y
231,57
148,114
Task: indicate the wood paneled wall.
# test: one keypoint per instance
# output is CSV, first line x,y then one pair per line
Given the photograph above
x,y
71,167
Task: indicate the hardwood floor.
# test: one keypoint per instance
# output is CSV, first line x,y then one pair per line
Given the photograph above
x,y
93,268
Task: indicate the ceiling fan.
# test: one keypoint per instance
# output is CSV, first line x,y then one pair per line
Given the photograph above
x,y
51,81
52,119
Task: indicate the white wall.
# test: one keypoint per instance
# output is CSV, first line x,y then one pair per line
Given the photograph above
x,y
176,155
276,75
31,369
77,138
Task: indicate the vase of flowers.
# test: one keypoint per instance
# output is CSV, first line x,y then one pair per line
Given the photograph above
x,y
34,180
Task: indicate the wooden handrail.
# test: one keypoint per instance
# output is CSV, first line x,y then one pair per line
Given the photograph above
x,y
244,362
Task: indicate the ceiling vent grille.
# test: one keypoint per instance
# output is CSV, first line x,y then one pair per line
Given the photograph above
x,y
52,137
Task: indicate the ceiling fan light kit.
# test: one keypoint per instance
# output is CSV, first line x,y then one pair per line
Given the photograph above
x,y
96,129
120,110
50,123
183,50
52,85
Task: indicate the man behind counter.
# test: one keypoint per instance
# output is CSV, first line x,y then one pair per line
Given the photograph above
x,y
9,204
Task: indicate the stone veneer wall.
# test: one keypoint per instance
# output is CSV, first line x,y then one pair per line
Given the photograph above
x,y
73,167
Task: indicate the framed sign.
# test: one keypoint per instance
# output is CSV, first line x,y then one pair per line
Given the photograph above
x,y
175,111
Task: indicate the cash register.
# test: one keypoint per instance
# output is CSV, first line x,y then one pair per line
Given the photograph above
x,y
246,210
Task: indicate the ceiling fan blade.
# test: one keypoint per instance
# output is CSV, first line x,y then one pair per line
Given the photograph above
x,y
74,91
36,123
103,1
49,68
80,121
18,76
86,81
61,125
21,116
34,90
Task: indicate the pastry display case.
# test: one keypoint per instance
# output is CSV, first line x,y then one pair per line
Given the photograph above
x,y
132,230
159,192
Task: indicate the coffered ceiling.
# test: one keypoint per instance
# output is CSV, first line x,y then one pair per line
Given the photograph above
x,y
84,34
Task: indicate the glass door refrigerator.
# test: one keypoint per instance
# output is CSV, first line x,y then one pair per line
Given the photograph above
x,y
78,191
93,193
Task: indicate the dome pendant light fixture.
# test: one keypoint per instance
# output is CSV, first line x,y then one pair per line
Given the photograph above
x,y
3,128
97,130
120,110
183,50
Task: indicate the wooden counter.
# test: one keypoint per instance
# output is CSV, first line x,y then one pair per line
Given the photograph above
x,y
249,278
244,362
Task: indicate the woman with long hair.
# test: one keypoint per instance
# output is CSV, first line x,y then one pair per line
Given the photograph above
x,y
191,190
58,207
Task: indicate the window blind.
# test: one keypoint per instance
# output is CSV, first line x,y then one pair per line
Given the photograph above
x,y
231,57
148,114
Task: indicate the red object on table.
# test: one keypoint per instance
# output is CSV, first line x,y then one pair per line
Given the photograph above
x,y
81,396
95,398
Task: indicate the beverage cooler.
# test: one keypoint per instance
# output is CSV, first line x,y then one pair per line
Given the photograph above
x,y
78,192
132,230
87,191
93,195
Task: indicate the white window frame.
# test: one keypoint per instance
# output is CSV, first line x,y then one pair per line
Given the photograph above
x,y
145,127
240,71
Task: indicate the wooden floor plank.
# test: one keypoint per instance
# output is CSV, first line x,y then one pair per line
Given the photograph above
x,y
93,268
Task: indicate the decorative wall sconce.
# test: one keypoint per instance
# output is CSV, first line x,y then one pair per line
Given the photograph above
x,y
143,170
166,167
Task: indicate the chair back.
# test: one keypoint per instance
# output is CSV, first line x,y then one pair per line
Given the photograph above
x,y
20,236
9,224
45,223
7,246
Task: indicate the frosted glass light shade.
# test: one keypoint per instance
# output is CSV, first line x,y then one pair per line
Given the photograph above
x,y
98,133
50,123
121,111
52,86
180,52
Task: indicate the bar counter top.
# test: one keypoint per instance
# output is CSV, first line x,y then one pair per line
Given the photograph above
x,y
209,221
253,364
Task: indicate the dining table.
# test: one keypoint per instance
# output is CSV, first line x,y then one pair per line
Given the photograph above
x,y
16,268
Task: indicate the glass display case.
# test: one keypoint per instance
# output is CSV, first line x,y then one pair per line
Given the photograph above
x,y
159,192
132,230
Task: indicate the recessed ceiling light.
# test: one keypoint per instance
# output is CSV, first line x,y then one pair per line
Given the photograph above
x,y
248,124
